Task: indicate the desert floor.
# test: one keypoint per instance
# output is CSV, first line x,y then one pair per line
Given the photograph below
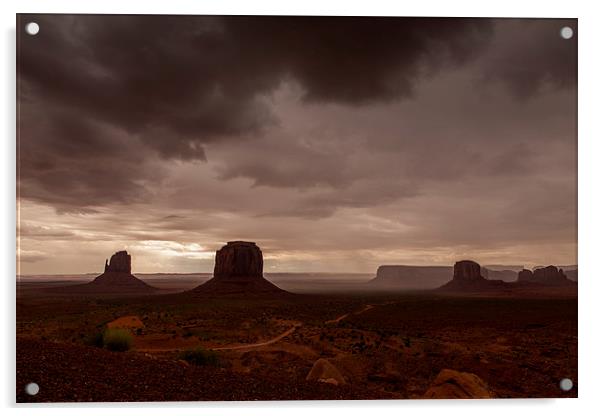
x,y
385,345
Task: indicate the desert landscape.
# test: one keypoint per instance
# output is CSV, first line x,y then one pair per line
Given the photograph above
x,y
239,337
227,208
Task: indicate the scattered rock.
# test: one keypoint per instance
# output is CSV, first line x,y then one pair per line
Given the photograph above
x,y
451,384
324,371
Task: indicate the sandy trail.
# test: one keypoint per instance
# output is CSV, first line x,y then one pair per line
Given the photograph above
x,y
272,340
261,344
361,311
234,347
340,318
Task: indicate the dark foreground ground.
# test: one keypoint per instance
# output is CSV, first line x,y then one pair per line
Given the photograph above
x,y
386,346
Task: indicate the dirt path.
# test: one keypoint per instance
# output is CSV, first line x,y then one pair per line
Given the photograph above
x,y
233,347
361,311
261,344
340,318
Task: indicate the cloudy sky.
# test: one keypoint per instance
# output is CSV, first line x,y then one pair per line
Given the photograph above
x,y
336,144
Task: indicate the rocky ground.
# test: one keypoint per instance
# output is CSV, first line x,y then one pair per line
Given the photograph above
x,y
383,346
72,373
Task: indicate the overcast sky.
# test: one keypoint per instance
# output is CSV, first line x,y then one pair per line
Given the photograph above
x,y
336,144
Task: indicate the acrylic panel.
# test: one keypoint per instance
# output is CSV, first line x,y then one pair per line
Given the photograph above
x,y
217,208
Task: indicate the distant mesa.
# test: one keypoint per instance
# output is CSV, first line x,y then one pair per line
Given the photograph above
x,y
467,271
116,279
550,275
238,270
411,277
525,275
505,274
468,278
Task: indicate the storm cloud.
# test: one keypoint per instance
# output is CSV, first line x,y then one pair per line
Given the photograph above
x,y
194,130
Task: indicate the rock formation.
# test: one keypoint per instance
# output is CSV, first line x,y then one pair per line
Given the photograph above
x,y
506,275
121,262
238,270
468,278
451,384
525,275
238,259
550,275
116,279
323,371
411,277
467,271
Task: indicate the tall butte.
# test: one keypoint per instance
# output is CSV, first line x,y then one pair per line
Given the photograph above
x,y
116,279
238,270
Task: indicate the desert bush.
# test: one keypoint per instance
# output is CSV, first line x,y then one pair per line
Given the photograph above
x,y
117,339
200,356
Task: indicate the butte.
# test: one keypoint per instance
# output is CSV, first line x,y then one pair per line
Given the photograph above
x,y
468,278
238,271
116,279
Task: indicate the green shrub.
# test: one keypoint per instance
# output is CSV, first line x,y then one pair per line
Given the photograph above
x,y
200,356
117,339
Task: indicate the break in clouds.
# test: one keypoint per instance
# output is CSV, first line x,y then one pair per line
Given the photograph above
x,y
337,144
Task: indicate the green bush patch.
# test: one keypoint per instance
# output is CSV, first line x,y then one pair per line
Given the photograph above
x,y
117,339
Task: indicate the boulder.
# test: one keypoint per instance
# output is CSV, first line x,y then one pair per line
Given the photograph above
x,y
323,371
451,384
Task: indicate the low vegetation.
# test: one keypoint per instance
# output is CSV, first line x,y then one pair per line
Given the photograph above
x,y
117,339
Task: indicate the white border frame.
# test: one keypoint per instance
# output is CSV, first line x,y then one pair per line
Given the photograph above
x,y
590,201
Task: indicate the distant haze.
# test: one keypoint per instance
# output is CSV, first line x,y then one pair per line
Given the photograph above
x,y
336,144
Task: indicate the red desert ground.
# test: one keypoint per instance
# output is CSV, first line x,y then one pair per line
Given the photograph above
x,y
411,332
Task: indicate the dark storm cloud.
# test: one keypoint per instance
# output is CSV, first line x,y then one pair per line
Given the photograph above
x,y
172,84
530,54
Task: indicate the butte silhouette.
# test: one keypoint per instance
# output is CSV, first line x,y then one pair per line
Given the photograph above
x,y
116,279
468,278
238,270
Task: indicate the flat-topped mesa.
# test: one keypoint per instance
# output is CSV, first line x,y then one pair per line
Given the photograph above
x,y
121,262
238,259
467,271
